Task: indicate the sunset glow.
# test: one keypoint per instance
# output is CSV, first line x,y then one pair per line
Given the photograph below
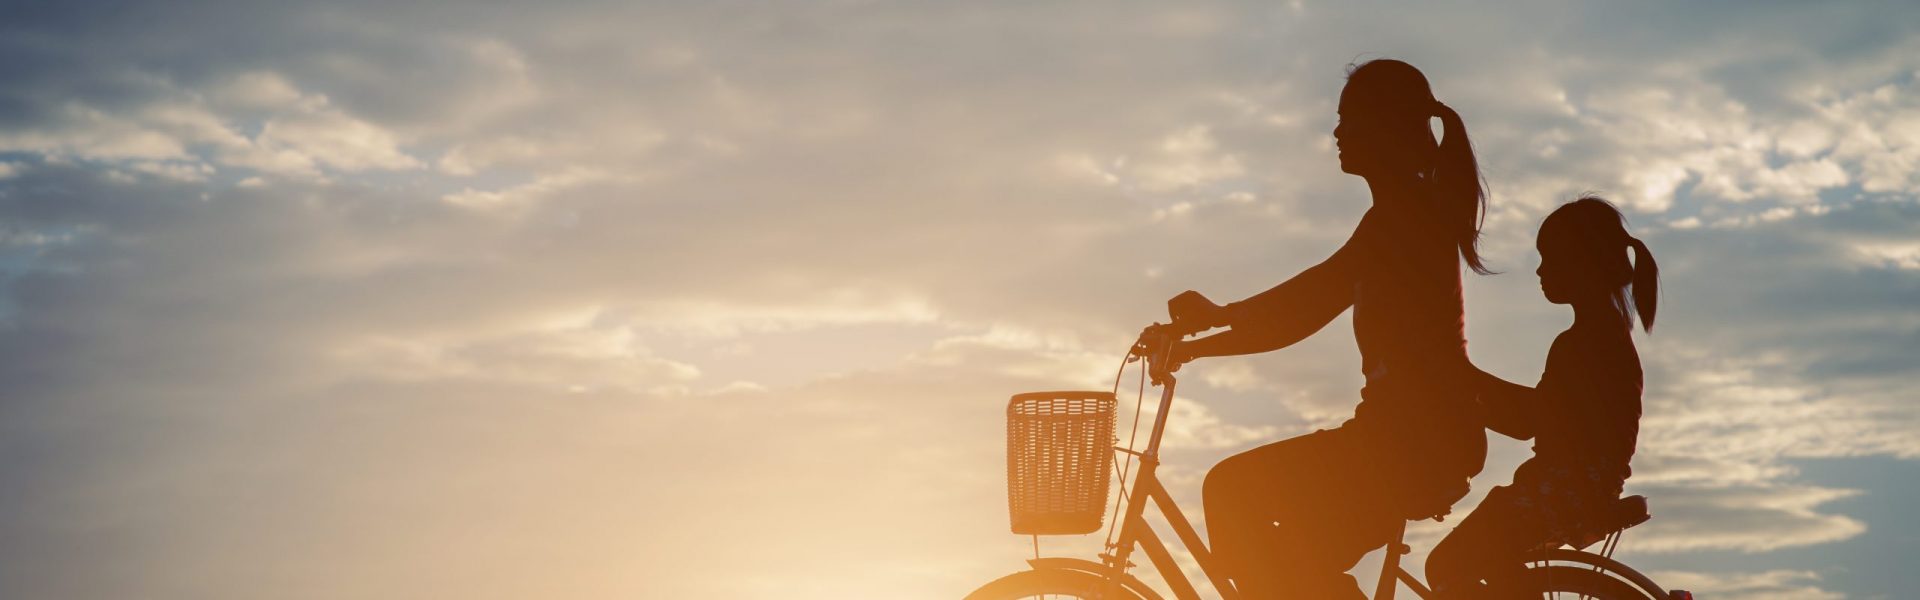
x,y
726,300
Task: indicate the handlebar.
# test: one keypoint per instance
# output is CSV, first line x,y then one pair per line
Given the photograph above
x,y
1157,340
1156,345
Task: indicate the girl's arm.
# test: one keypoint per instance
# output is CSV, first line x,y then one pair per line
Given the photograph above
x,y
1512,409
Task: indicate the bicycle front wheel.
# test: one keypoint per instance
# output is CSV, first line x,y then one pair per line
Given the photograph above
x,y
1053,583
1577,582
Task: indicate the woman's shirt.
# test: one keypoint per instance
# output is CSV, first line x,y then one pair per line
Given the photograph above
x,y
1400,272
1409,318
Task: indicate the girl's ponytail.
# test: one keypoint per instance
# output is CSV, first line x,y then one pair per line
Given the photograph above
x,y
1593,236
1646,282
1456,174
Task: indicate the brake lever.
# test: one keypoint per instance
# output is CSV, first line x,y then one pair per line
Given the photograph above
x,y
1155,344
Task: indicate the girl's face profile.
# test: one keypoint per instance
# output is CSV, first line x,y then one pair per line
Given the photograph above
x,y
1555,278
1568,273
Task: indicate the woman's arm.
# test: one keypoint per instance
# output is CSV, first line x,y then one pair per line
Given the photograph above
x,y
1281,316
1284,314
1512,409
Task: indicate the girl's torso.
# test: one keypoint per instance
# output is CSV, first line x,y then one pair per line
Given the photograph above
x,y
1589,416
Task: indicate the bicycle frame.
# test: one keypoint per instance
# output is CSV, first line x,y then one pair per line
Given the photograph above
x,y
1134,529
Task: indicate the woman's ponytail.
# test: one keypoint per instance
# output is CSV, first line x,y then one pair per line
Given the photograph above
x,y
1456,174
1400,94
1646,282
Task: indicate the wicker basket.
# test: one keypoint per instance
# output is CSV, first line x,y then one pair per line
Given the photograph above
x,y
1059,452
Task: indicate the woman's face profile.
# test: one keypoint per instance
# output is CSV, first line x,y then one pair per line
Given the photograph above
x,y
1372,138
1358,138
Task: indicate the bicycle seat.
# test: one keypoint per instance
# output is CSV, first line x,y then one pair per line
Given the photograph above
x,y
1625,512
1621,514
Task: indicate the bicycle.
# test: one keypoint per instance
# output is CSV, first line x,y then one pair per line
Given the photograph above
x,y
1065,470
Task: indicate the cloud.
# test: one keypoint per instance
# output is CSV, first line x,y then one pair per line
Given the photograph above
x,y
518,199
1747,518
180,134
1889,255
1782,584
577,357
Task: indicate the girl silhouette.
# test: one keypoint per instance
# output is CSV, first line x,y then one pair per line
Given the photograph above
x,y
1583,416
1295,515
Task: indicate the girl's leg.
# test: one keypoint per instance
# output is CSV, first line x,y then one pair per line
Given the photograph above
x,y
1489,544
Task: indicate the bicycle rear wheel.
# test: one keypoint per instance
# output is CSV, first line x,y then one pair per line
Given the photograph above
x,y
1556,582
1053,583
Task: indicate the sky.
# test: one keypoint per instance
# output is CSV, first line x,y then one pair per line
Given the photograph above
x,y
725,299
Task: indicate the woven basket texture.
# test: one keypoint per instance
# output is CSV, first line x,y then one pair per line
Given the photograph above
x,y
1059,452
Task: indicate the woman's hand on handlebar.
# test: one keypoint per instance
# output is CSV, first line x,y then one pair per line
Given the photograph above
x,y
1193,313
1178,355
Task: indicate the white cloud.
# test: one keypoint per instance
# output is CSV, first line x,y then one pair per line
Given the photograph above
x,y
181,135
175,170
321,135
1177,167
1239,376
1750,519
87,132
577,357
518,199
1780,584
259,90
1191,425
1889,254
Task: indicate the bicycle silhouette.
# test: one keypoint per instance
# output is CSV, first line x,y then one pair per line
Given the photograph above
x,y
1060,455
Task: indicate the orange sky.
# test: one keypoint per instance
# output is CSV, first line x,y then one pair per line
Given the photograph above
x,y
584,301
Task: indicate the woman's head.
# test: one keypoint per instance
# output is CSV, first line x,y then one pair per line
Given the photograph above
x,y
1384,131
1583,258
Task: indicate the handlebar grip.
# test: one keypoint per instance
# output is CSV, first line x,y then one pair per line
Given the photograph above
x,y
1153,346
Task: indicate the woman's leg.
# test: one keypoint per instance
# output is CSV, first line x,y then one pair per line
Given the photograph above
x,y
1288,519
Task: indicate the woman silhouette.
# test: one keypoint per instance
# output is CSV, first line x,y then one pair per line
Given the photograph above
x,y
1293,516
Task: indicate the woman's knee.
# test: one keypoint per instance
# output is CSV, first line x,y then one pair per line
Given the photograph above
x,y
1231,478
1471,552
1447,564
1217,491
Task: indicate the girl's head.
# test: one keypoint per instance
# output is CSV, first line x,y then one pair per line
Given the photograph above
x,y
1583,258
1384,132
